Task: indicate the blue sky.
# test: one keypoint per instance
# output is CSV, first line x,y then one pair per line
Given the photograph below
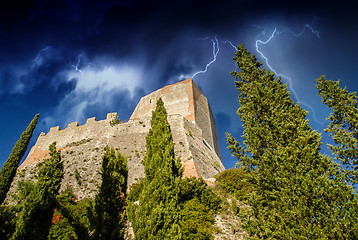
x,y
72,60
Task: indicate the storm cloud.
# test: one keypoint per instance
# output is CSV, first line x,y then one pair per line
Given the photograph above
x,y
71,60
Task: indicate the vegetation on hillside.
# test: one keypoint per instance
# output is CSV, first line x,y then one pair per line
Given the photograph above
x,y
35,218
42,213
235,182
198,205
70,219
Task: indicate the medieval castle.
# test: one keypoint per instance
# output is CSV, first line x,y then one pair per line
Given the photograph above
x,y
82,147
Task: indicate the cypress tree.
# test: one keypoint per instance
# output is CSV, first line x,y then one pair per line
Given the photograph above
x,y
156,214
8,171
110,201
298,193
343,125
35,218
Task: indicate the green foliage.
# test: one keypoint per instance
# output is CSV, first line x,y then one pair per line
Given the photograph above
x,y
196,221
23,189
35,218
343,125
191,188
8,214
110,202
198,205
78,177
61,228
8,171
160,146
235,181
135,189
157,214
234,208
298,193
70,219
7,221
162,205
115,121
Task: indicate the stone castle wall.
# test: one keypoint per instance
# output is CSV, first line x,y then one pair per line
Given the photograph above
x,y
205,120
82,147
186,99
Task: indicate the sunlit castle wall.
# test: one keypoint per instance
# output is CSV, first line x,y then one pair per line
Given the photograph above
x,y
183,98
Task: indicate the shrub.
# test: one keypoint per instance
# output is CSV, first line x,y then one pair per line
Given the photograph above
x,y
234,181
78,177
191,188
197,221
135,190
7,221
70,219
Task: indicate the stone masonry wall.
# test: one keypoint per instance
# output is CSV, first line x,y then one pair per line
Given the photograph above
x,y
82,147
186,99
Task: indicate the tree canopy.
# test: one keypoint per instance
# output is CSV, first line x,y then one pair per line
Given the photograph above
x,y
297,192
343,127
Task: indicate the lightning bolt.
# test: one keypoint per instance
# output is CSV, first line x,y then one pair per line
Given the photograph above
x,y
76,67
40,57
289,80
36,59
216,51
229,42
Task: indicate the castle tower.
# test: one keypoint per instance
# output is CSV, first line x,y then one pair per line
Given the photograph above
x,y
186,99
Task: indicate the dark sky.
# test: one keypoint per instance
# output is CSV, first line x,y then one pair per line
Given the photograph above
x,y
71,60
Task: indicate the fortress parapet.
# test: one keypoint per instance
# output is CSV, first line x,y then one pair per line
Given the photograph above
x,y
54,129
89,122
111,116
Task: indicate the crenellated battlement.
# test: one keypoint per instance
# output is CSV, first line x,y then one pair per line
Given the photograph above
x,y
89,121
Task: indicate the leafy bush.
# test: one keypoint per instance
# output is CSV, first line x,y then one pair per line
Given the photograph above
x,y
135,190
7,221
61,228
70,219
234,208
197,221
22,191
191,188
234,181
78,177
115,120
198,205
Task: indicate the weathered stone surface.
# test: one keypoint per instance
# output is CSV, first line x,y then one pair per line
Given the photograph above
x,y
82,147
186,99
